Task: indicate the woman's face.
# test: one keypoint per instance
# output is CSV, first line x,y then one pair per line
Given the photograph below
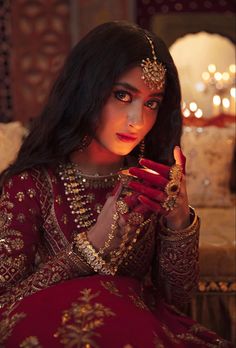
x,y
129,113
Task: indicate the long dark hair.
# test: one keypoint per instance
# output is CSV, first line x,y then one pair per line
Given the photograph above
x,y
84,85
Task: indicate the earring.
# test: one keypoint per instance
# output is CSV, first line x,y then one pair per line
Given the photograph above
x,y
84,143
141,149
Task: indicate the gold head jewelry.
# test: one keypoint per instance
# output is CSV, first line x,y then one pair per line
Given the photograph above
x,y
153,71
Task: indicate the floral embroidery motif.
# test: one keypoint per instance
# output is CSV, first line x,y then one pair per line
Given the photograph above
x,y
21,218
31,342
64,219
32,211
20,196
81,320
58,199
31,192
138,302
24,176
11,240
110,286
8,322
5,219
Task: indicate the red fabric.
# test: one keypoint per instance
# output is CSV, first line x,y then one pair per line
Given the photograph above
x,y
130,325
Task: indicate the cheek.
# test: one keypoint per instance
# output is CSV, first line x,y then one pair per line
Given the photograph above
x,y
150,121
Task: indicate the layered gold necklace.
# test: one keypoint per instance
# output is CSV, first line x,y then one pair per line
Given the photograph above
x,y
76,187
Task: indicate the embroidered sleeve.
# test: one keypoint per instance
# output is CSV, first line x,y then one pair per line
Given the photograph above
x,y
55,270
19,233
176,271
21,221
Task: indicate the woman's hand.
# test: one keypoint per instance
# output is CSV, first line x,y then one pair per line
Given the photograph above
x,y
152,192
102,231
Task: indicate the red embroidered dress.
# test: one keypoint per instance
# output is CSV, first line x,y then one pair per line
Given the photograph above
x,y
51,298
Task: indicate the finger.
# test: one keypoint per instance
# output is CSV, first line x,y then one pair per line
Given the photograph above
x,y
148,191
157,167
153,179
131,200
179,157
153,206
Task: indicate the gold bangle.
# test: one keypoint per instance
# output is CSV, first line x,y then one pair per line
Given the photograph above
x,y
169,234
91,256
78,261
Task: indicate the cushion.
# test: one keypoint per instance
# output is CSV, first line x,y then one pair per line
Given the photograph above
x,y
209,151
11,135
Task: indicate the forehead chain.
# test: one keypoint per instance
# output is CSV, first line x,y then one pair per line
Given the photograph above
x,y
153,72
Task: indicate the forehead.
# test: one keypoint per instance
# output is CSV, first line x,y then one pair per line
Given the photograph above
x,y
133,77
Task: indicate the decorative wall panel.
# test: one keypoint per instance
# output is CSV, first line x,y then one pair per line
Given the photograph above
x,y
40,35
5,90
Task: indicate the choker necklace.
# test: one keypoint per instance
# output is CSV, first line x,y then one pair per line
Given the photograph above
x,y
76,184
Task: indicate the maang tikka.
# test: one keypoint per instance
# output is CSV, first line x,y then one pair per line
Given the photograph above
x,y
153,71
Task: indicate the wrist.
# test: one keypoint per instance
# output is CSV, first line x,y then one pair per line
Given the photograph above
x,y
179,222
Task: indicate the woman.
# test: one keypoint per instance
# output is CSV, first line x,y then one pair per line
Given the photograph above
x,y
96,239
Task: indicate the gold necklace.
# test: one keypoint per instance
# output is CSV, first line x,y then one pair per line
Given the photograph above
x,y
76,184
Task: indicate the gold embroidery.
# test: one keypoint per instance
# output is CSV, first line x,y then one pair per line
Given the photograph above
x,y
9,183
110,286
157,341
5,219
12,269
64,219
138,260
31,342
31,192
32,211
24,175
170,334
188,337
21,218
58,199
178,266
80,321
20,196
55,238
138,302
8,322
98,207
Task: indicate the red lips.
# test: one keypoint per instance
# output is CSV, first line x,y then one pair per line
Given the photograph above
x,y
126,137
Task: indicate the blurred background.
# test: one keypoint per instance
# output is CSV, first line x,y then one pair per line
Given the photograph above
x,y
35,38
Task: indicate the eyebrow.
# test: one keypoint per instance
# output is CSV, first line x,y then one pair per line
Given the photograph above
x,y
135,90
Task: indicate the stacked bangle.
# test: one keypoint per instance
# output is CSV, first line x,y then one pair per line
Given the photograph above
x,y
91,256
171,235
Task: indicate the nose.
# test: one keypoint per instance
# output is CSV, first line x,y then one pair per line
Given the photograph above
x,y
135,115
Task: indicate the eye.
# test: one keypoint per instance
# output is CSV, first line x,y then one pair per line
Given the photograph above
x,y
153,104
123,96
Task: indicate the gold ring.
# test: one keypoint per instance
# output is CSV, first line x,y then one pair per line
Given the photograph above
x,y
122,207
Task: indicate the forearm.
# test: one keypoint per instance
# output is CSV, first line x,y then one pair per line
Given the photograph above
x,y
178,262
